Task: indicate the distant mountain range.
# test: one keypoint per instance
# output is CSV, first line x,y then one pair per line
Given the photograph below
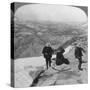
x,y
30,38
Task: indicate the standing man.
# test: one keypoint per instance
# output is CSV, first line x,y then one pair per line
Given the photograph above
x,y
78,55
47,52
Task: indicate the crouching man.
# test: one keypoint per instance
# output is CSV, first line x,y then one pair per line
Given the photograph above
x,y
60,59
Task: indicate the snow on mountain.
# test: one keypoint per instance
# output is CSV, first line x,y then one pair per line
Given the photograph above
x,y
25,68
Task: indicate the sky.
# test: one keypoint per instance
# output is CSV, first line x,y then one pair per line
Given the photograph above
x,y
51,13
19,4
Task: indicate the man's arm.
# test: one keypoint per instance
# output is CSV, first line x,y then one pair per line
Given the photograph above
x,y
52,50
43,50
83,50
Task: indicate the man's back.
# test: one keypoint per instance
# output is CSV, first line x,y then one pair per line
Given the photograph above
x,y
47,51
78,51
59,55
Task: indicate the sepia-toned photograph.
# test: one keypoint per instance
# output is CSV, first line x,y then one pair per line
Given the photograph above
x,y
49,44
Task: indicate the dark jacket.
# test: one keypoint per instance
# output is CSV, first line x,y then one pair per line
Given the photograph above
x,y
47,51
78,52
59,58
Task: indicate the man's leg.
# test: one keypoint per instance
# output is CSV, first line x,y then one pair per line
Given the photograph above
x,y
47,63
80,63
50,62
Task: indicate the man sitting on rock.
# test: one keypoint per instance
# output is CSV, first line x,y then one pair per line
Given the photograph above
x,y
60,58
47,52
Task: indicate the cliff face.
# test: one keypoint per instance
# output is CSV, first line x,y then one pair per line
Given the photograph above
x,y
32,71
